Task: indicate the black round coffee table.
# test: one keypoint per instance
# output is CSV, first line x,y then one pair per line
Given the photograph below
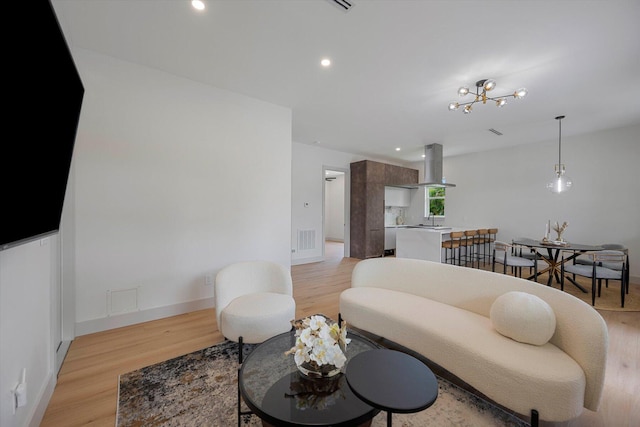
x,y
392,381
274,390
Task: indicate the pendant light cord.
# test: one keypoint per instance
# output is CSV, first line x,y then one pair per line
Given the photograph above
x,y
559,142
559,119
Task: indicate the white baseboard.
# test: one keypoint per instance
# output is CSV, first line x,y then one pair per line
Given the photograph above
x,y
43,399
310,260
126,319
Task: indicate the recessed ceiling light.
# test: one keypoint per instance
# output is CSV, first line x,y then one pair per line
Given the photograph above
x,y
197,4
325,62
397,148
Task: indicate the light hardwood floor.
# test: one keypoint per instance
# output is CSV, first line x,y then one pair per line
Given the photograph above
x,y
87,387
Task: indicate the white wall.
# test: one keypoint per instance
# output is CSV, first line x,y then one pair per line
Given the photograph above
x,y
506,188
173,181
28,278
307,183
334,218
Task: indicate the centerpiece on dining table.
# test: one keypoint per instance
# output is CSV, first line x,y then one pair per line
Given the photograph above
x,y
319,351
559,229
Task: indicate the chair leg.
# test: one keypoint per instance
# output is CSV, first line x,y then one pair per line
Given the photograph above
x,y
535,418
240,359
239,396
239,400
626,265
622,288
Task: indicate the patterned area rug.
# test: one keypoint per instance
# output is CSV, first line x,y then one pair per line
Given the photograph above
x,y
200,389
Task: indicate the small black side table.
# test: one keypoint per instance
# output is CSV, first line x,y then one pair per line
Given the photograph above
x,y
392,381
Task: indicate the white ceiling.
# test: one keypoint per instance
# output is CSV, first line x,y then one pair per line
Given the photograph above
x,y
396,65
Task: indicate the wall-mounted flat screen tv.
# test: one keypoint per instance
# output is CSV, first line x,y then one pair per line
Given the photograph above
x,y
41,116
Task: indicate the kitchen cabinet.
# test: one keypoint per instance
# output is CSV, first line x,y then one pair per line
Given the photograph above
x,y
368,180
390,238
398,175
394,196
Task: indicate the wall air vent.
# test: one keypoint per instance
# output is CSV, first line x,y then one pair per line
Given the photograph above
x,y
306,240
497,132
344,5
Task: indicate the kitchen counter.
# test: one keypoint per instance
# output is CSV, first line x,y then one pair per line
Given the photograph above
x,y
423,242
432,227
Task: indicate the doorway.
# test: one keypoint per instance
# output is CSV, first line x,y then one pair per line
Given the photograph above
x,y
334,227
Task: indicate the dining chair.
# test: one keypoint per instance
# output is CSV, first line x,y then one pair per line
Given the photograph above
x,y
586,260
480,242
599,271
502,254
529,252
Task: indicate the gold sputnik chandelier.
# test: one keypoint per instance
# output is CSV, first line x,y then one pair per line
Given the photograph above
x,y
483,87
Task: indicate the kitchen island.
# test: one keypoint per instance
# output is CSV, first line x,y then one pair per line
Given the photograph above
x,y
423,242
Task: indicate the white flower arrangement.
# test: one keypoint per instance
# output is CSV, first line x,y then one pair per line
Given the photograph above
x,y
319,342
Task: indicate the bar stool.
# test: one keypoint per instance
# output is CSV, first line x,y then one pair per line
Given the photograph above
x,y
450,246
493,232
480,242
468,243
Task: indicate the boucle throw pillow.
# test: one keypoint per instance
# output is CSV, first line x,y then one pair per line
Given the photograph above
x,y
523,317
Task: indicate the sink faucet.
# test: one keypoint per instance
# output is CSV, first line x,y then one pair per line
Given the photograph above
x,y
433,218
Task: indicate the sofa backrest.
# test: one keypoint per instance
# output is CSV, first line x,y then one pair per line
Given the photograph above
x,y
580,330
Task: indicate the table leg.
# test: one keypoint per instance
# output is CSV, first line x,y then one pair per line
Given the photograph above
x,y
554,266
576,284
389,415
557,265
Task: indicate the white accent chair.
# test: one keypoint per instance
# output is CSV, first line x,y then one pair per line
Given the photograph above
x,y
254,301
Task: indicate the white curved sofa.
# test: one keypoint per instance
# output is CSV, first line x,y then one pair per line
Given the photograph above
x,y
442,312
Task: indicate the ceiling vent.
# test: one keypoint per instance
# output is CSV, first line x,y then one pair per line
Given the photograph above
x,y
344,5
497,132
